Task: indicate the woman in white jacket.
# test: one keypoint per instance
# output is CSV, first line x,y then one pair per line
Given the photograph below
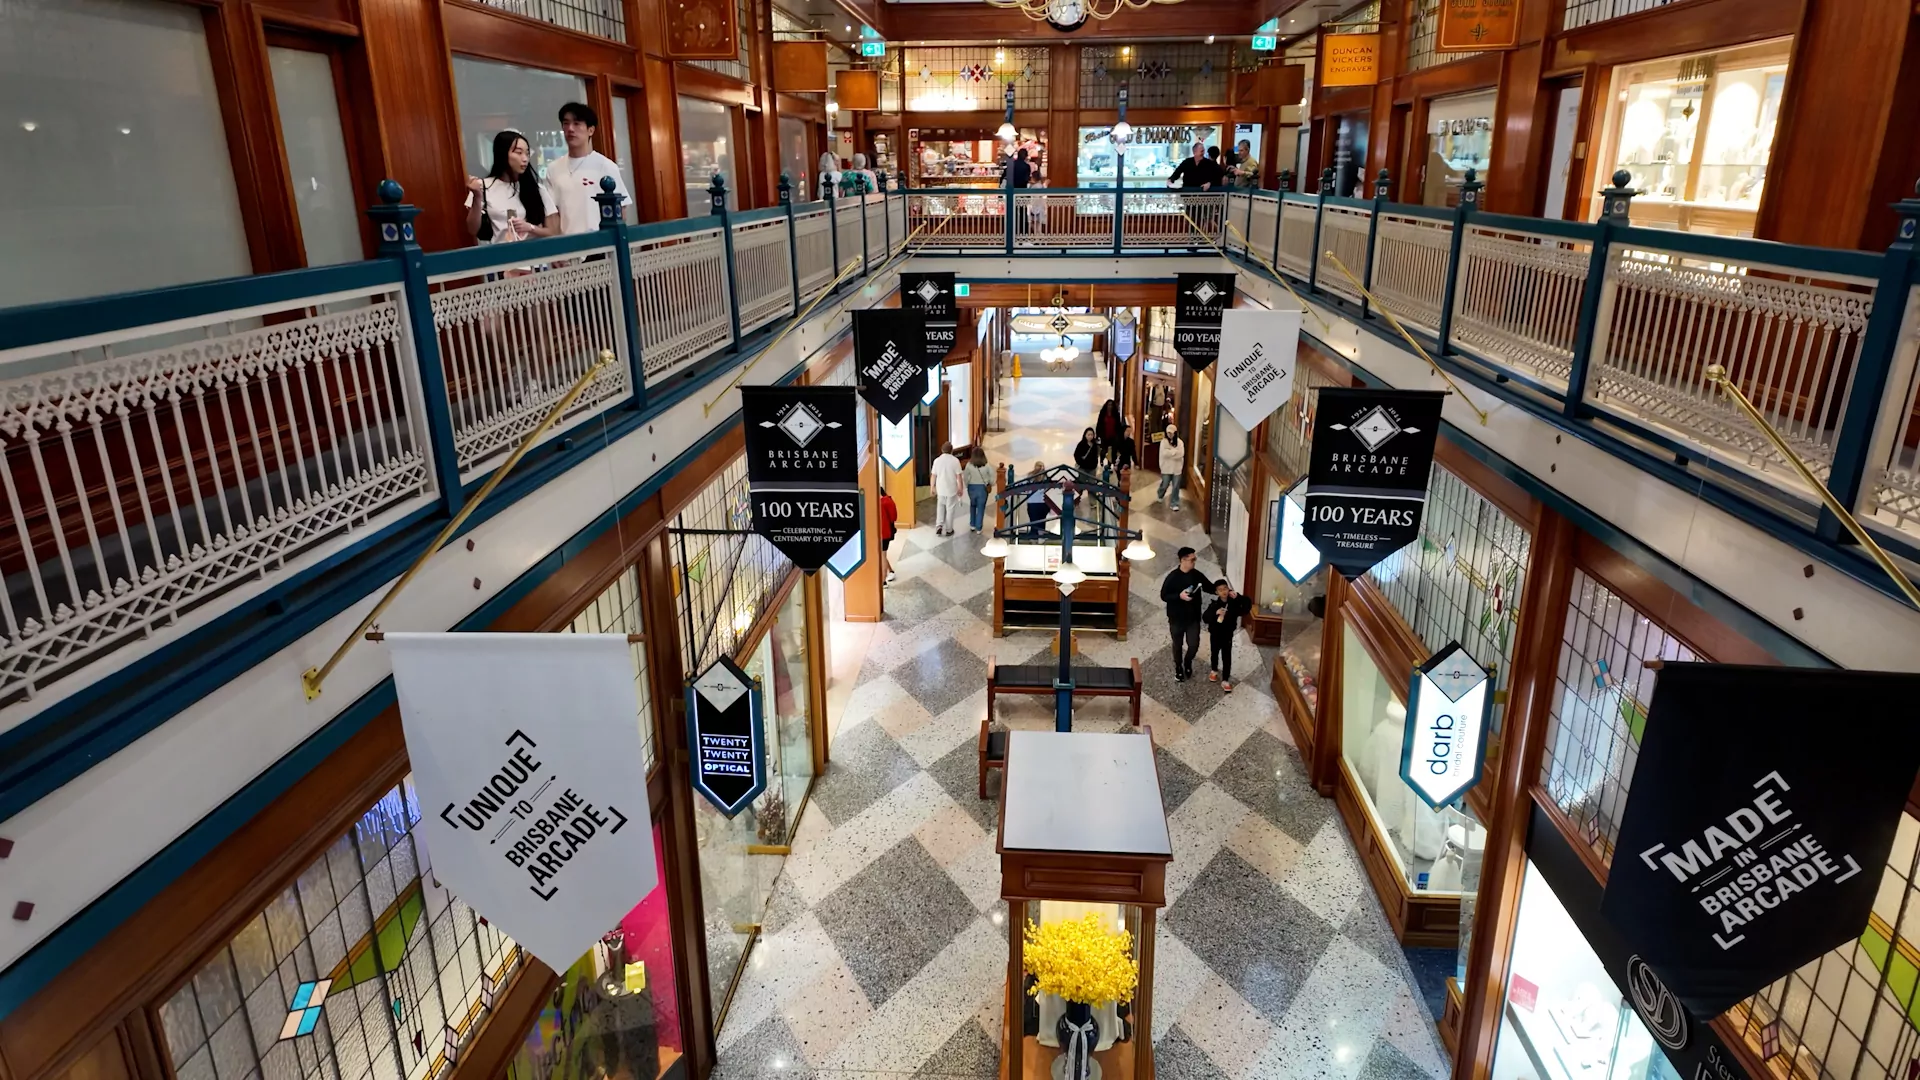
x,y
1173,466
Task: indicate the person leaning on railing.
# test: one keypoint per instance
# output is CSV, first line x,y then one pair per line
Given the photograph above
x,y
510,202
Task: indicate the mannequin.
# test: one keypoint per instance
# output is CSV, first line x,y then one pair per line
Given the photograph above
x,y
1389,792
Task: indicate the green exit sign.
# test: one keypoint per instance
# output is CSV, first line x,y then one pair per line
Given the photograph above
x,y
873,48
962,289
1265,42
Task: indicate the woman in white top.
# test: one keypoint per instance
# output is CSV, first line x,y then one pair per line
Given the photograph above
x,y
829,175
509,203
1173,466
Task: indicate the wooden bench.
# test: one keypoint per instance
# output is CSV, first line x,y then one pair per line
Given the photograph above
x,y
1088,681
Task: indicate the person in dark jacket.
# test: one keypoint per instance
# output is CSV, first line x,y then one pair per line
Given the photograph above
x,y
1223,618
1106,426
1086,455
1122,452
1181,591
1190,172
1019,170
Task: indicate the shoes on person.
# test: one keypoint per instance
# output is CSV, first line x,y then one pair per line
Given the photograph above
x,y
1179,676
890,576
1213,676
1227,687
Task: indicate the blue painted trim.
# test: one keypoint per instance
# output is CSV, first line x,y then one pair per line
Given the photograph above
x,y
1349,202
1431,213
520,253
38,324
680,227
1568,230
748,217
804,208
1766,252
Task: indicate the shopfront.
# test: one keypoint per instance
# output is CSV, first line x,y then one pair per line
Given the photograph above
x,y
1696,133
970,157
1458,137
1149,156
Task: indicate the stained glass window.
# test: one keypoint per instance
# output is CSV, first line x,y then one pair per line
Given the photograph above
x,y
1158,74
364,968
727,571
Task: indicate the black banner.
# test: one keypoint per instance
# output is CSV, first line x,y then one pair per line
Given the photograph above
x,y
1754,840
932,295
807,524
1196,317
801,434
729,753
1367,477
890,349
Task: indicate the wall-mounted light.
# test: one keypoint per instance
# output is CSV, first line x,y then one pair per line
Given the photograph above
x,y
999,56
1126,50
1209,39
832,107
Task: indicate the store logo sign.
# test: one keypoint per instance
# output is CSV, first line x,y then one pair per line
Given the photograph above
x,y
1446,737
1658,1008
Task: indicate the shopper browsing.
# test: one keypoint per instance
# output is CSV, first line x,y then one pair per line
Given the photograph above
x,y
575,179
945,475
1182,591
1173,466
889,516
1223,620
1039,500
979,480
1086,455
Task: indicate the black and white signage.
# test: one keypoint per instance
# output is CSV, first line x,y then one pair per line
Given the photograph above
x,y
531,776
932,295
1200,300
1754,840
1367,474
1257,350
803,468
890,348
896,444
1126,333
725,735
1447,719
1293,554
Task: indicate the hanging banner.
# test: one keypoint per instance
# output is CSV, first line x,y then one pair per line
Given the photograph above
x,y
896,444
889,347
1293,554
803,468
1125,334
1351,59
1752,843
1257,350
1448,712
851,556
531,774
935,376
1478,25
1200,300
724,732
932,295
1367,472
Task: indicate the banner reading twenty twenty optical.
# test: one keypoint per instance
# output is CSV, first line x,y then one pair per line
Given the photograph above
x,y
1367,473
1257,350
531,774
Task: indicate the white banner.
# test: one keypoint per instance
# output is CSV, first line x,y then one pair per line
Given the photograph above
x,y
1257,358
532,778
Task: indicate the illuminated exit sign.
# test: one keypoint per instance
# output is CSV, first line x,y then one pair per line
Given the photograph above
x,y
1265,42
873,48
961,288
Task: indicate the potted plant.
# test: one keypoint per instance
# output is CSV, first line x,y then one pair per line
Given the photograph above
x,y
1085,964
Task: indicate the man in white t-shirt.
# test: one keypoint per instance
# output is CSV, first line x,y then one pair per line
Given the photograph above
x,y
946,489
575,179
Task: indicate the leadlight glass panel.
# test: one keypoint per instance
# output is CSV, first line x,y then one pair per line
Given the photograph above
x,y
845,374
1587,12
364,968
1290,429
617,611
1421,35
1159,75
973,78
1599,708
727,572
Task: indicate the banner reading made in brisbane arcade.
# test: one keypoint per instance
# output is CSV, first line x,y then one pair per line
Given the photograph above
x,y
1199,301
1756,833
890,348
803,469
931,294
1367,473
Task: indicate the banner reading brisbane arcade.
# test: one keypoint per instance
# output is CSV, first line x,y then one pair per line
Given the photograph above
x,y
890,349
931,294
1367,473
803,468
1199,300
1756,833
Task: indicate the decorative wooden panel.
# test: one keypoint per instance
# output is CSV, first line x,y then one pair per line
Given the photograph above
x,y
857,90
1280,84
800,67
700,29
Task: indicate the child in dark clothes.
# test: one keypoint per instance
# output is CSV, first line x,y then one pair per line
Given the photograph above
x,y
1222,618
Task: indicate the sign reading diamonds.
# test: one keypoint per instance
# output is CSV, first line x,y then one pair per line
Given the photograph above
x,y
932,294
1447,720
1201,298
724,732
1367,476
803,468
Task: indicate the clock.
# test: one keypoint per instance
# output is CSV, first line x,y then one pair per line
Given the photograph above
x,y
1066,16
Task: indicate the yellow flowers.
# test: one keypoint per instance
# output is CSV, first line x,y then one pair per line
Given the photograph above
x,y
1081,960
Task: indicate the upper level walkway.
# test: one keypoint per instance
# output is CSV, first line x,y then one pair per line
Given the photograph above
x,y
207,486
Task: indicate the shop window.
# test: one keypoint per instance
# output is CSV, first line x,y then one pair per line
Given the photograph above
x,y
365,967
1301,607
1696,133
1150,155
1599,709
1587,12
495,96
1563,1007
623,153
615,1014
796,164
1459,137
307,96
617,611
706,151
127,181
727,571
602,18
973,78
971,157
1159,75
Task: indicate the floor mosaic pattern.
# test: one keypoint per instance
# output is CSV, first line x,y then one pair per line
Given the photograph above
x,y
883,950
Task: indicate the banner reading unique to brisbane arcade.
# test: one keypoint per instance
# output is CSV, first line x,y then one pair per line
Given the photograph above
x,y
1367,473
803,468
1755,838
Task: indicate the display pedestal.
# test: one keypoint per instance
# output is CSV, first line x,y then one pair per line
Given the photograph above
x,y
1036,1061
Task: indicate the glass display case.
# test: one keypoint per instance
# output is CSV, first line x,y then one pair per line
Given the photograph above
x,y
1564,1018
1301,607
1150,157
1696,133
970,157
1459,137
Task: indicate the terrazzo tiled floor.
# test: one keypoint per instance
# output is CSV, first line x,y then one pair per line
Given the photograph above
x,y
883,950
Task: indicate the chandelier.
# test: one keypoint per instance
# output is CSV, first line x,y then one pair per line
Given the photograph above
x,y
1058,320
1070,15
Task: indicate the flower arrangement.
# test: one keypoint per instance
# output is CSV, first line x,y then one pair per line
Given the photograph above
x,y
1081,960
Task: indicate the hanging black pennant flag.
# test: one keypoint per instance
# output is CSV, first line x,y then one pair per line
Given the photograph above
x,y
1752,843
803,469
1367,477
1196,317
726,737
890,349
932,295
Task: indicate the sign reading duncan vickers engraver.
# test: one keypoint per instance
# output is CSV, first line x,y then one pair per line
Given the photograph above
x,y
524,751
1447,714
1199,301
724,732
803,468
890,349
1256,363
1756,833
1367,473
932,295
